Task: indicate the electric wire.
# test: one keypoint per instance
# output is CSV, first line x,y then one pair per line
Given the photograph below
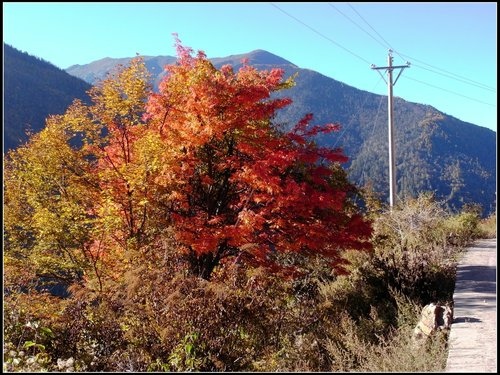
x,y
450,75
451,92
363,172
370,26
321,34
344,128
405,57
356,24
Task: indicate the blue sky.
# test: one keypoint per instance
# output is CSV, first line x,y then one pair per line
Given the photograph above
x,y
452,47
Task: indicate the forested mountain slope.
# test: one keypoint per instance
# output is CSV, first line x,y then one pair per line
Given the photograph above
x,y
33,89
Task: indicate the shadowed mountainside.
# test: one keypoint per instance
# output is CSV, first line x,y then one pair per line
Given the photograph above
x,y
33,90
434,151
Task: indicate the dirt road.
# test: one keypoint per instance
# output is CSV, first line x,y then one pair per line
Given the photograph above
x,y
473,335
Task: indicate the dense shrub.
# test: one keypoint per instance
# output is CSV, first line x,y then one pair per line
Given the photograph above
x,y
158,317
488,227
414,251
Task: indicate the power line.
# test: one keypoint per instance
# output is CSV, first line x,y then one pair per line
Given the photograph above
x,y
370,26
458,77
449,75
354,22
478,85
344,128
320,34
405,57
452,92
372,131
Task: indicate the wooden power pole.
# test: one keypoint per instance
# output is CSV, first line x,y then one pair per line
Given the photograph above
x,y
390,117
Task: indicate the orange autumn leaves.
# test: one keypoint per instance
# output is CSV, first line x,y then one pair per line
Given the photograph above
x,y
202,161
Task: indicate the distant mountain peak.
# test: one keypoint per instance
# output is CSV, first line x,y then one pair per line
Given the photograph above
x,y
260,56
98,69
256,57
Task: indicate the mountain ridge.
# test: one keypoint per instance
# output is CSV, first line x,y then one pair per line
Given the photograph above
x,y
434,151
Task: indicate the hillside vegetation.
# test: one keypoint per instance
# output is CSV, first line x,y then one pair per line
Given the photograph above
x,y
193,233
34,89
435,152
250,320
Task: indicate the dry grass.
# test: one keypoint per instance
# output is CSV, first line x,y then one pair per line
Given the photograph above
x,y
488,227
249,320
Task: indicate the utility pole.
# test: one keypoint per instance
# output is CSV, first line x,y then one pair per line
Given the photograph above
x,y
390,117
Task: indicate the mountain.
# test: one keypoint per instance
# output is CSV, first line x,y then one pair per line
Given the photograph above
x,y
34,89
434,151
97,70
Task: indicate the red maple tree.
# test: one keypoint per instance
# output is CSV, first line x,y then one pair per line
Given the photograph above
x,y
201,162
239,186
